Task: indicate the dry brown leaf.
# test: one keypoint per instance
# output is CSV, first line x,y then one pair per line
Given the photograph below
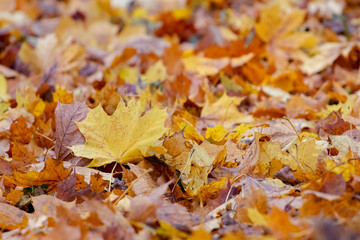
x,y
67,133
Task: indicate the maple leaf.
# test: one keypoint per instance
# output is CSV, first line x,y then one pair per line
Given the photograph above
x,y
122,137
224,109
20,132
194,167
273,24
21,157
52,173
3,89
204,66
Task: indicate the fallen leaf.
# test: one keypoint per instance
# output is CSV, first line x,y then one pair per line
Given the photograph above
x,y
327,54
20,131
67,133
4,96
156,72
53,173
14,196
66,188
135,132
12,217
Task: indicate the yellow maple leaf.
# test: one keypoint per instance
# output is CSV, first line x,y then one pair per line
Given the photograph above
x,y
62,96
346,168
204,66
155,72
224,110
194,167
200,233
256,217
274,24
237,132
304,156
129,74
217,133
181,13
211,190
167,230
122,137
300,156
190,132
3,89
4,107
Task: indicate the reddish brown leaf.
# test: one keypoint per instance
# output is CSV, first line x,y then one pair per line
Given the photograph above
x,y
67,133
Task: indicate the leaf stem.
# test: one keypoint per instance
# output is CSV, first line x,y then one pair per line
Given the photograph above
x,y
111,176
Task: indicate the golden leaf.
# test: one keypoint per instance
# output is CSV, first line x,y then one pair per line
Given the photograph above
x,y
217,133
256,217
194,167
122,137
155,72
273,23
3,89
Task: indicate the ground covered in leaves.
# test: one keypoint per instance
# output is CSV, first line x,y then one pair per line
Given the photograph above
x,y
163,119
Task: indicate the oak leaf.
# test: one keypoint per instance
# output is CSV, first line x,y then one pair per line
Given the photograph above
x,y
122,137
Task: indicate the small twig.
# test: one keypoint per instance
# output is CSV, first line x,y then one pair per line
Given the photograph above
x,y
232,185
186,164
287,119
47,151
44,136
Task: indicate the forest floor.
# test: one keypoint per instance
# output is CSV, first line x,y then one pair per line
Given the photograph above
x,y
175,119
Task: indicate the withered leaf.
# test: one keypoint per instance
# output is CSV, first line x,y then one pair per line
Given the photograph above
x,y
12,217
67,133
20,131
52,173
21,157
66,188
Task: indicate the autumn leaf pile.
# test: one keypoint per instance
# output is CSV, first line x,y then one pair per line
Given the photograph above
x,y
175,119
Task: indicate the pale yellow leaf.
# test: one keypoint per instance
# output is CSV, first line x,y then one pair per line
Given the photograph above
x,y
155,72
256,217
204,66
4,96
129,74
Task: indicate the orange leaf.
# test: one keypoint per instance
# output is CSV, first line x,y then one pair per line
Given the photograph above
x,y
52,173
20,132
